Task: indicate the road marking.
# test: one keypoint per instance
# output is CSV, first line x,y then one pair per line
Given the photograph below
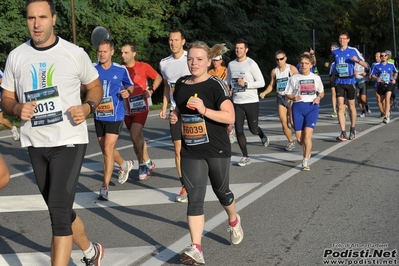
x,y
112,256
137,197
175,248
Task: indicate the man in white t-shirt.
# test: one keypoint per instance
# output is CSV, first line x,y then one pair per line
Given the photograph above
x,y
41,84
244,77
172,68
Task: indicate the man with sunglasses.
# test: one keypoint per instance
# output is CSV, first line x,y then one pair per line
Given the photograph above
x,y
244,77
385,73
345,58
279,79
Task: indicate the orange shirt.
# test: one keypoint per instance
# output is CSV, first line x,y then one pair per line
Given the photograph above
x,y
221,73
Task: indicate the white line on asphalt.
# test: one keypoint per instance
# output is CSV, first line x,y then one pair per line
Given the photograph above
x,y
175,248
113,256
119,198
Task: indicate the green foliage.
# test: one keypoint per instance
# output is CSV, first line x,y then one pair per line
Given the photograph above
x,y
268,25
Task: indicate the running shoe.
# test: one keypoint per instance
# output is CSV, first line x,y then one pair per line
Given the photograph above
x,y
124,174
342,137
305,164
290,146
103,193
182,197
192,256
15,134
352,135
244,161
232,136
264,139
363,114
236,232
334,114
386,120
143,170
151,167
95,261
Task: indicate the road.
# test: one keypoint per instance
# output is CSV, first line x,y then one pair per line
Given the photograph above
x,y
346,205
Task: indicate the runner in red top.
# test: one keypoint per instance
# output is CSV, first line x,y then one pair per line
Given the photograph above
x,y
136,106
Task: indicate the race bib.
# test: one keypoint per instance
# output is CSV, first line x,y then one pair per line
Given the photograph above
x,y
105,108
281,84
235,87
342,70
194,129
49,108
137,104
385,77
307,87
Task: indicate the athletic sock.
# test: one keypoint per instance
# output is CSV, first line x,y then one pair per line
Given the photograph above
x,y
198,246
181,181
90,252
148,163
352,129
124,165
233,223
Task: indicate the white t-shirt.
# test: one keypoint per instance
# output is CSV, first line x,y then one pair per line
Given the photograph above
x,y
306,86
51,77
250,72
171,70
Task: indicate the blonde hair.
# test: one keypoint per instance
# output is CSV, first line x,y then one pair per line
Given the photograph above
x,y
216,50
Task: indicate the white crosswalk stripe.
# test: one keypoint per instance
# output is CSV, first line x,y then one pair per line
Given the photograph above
x,y
159,196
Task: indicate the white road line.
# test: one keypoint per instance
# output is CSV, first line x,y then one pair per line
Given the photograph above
x,y
119,198
113,256
175,248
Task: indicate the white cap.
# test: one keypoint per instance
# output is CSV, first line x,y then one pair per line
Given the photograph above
x,y
219,57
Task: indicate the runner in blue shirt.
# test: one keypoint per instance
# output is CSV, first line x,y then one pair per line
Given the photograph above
x,y
345,58
385,73
110,113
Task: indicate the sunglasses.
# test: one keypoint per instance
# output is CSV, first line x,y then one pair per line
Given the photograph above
x,y
383,55
280,59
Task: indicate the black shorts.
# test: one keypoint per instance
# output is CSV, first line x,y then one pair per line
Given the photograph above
x,y
361,88
107,127
346,89
383,88
175,131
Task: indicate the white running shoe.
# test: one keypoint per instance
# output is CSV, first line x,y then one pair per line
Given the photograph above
x,y
244,161
124,174
236,232
232,136
305,164
15,134
192,256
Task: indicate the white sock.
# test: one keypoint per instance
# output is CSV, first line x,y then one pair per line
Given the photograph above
x,y
90,252
124,165
148,163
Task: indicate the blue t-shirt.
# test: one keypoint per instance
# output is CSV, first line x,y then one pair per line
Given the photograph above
x,y
384,72
113,80
344,65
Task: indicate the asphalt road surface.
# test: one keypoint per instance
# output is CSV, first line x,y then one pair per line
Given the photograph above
x,y
344,211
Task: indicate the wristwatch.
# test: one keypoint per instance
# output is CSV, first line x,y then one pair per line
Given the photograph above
x,y
92,106
151,88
